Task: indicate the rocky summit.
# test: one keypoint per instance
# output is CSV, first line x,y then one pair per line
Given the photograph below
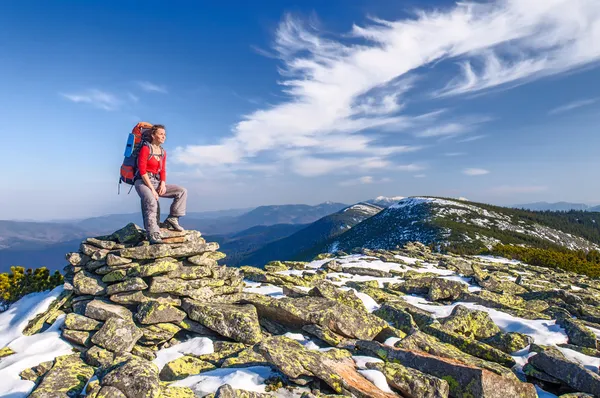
x,y
405,322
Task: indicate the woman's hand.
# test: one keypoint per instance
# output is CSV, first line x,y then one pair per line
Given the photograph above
x,y
155,194
162,188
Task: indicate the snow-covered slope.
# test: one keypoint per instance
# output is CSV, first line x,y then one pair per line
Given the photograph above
x,y
446,221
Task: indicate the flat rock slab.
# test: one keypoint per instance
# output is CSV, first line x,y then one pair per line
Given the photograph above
x,y
464,380
101,310
238,322
117,335
66,379
410,382
151,252
127,285
152,312
339,318
87,283
75,321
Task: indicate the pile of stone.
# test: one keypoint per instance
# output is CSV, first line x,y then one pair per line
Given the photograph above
x,y
125,299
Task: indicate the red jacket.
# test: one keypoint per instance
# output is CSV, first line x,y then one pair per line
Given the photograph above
x,y
152,166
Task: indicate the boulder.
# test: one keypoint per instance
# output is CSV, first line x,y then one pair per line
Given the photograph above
x,y
446,289
298,312
101,310
238,322
328,290
110,392
508,342
135,377
78,337
87,283
66,379
138,297
117,335
411,382
183,367
36,373
131,233
161,266
158,333
226,391
99,357
367,272
470,323
79,322
113,260
463,380
152,312
578,333
127,285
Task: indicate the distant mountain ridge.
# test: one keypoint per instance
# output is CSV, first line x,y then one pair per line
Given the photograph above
x,y
449,222
556,206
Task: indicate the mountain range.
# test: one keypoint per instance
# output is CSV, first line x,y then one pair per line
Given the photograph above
x,y
557,206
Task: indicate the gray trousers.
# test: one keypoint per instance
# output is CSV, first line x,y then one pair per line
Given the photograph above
x,y
150,205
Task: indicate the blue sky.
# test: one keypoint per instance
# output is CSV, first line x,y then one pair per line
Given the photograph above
x,y
277,102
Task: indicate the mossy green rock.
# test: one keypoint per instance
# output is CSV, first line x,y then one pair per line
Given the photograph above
x,y
323,333
4,352
207,259
177,392
136,377
67,378
144,352
127,285
117,335
188,272
411,382
238,322
397,315
139,297
183,367
114,276
78,337
152,312
578,333
247,357
222,351
446,289
161,266
38,322
275,266
130,233
509,342
298,312
36,373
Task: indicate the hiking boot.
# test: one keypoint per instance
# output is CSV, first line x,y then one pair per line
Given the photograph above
x,y
155,238
173,222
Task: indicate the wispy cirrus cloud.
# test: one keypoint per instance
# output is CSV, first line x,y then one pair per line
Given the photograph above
x,y
475,172
345,87
96,98
573,105
151,87
363,180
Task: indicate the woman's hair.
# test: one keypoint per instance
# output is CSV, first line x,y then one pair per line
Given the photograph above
x,y
153,130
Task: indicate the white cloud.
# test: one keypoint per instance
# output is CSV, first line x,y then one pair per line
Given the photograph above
x,y
348,85
472,138
151,87
96,98
453,154
420,175
512,189
573,105
363,180
475,172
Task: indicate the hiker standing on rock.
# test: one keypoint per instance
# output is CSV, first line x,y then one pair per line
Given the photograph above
x,y
151,184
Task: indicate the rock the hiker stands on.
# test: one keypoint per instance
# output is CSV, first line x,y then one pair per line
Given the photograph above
x,y
125,299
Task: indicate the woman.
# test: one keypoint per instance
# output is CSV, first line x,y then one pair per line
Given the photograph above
x,y
151,184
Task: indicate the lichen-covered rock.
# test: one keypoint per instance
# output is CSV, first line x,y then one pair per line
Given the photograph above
x,y
152,312
115,276
99,357
177,392
446,289
332,266
298,312
470,323
138,297
4,352
114,260
190,272
554,363
207,259
144,352
183,367
463,380
102,310
117,335
127,285
222,350
275,266
80,322
158,267
152,252
469,345
238,322
158,333
136,378
130,233
367,272
334,367
508,342
323,333
78,337
38,322
329,290
66,379
37,372
411,382
531,371
104,244
87,283
397,315
247,357
110,392
226,391
578,333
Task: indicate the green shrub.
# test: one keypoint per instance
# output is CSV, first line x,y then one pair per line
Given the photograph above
x,y
20,282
